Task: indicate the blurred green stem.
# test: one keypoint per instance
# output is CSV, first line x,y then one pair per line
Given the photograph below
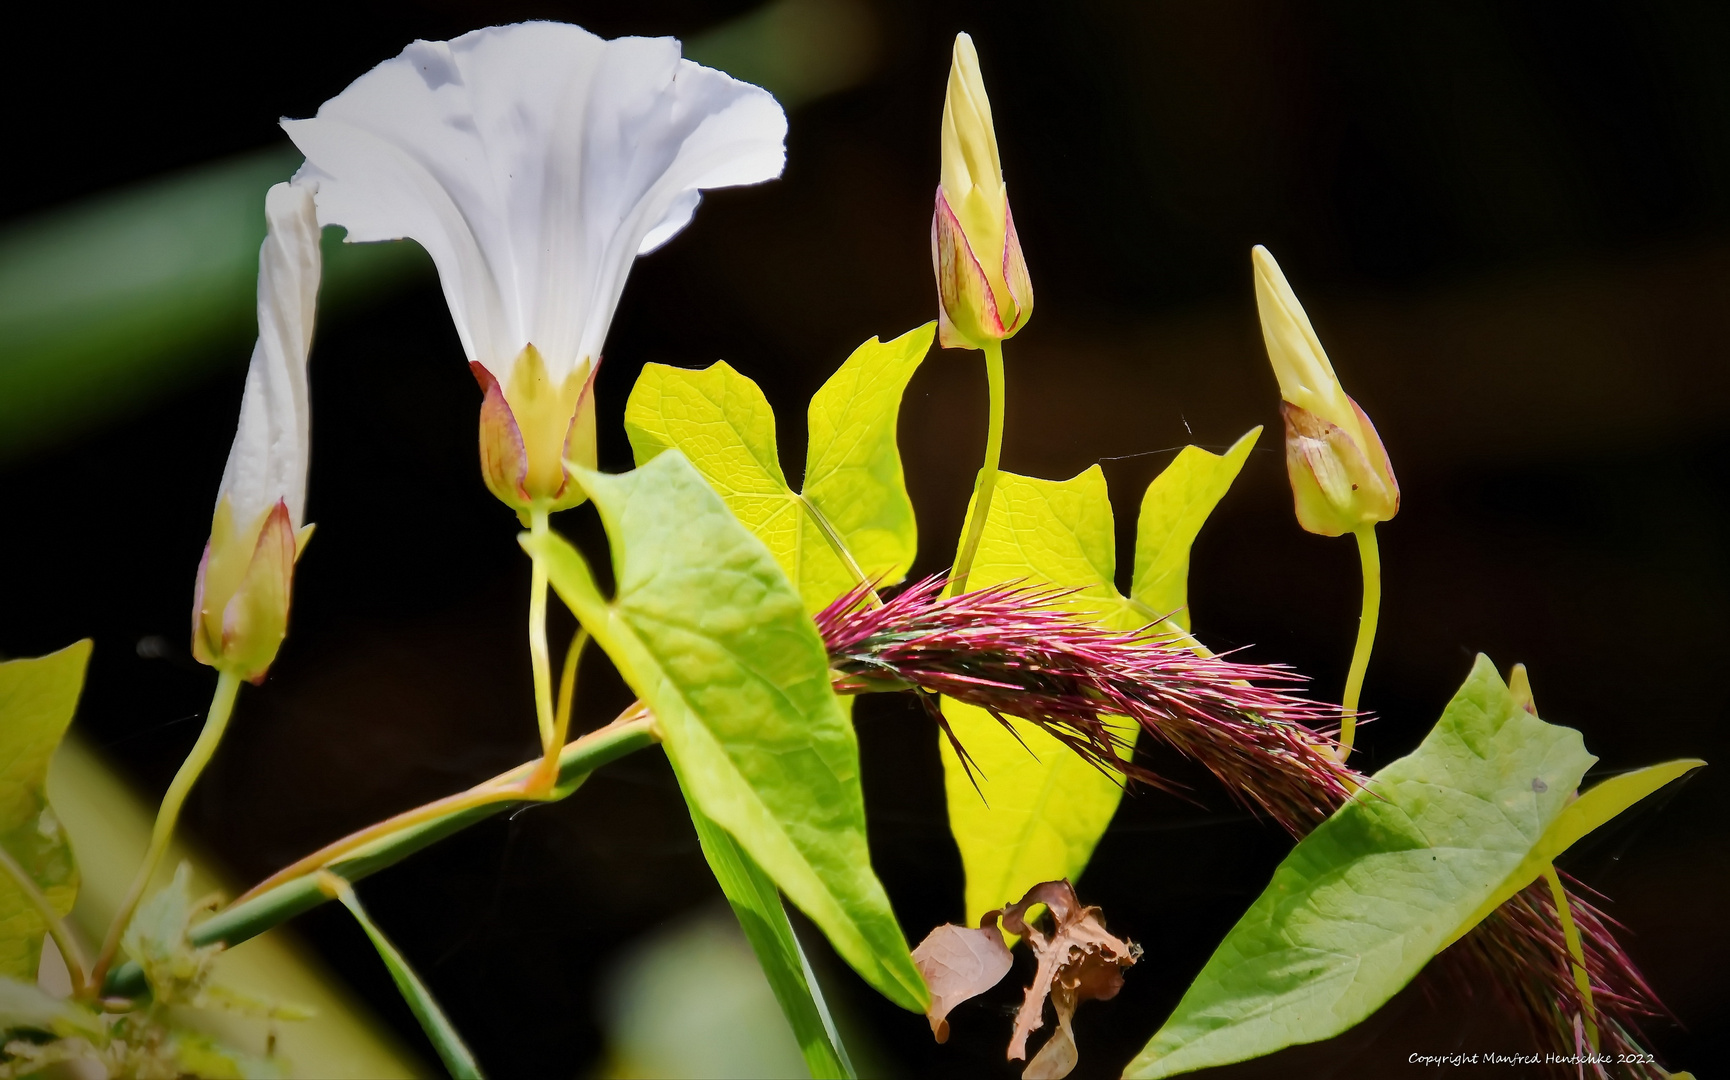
x,y
987,472
1371,558
215,723
295,890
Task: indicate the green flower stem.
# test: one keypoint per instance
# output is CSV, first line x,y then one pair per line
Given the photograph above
x,y
1371,558
1571,934
981,508
546,774
215,723
70,951
539,658
283,896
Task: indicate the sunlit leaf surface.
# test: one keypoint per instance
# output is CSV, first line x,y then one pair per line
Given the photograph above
x,y
709,632
853,478
1040,810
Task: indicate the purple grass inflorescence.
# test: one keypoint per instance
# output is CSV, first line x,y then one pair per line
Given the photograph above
x,y
1019,651
1013,650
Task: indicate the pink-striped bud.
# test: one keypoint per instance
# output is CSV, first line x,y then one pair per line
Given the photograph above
x,y
983,290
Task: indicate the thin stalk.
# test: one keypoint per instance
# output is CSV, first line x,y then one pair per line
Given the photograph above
x,y
839,547
987,483
70,951
283,896
546,775
215,723
1371,558
1571,934
497,790
539,658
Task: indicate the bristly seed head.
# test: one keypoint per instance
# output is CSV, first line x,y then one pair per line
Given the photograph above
x,y
1014,650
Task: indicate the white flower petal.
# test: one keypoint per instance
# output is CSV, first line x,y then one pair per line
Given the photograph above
x,y
269,459
534,162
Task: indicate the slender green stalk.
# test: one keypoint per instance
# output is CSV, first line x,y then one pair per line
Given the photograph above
x,y
281,898
546,776
1571,934
987,484
458,1059
70,951
539,658
1371,558
215,723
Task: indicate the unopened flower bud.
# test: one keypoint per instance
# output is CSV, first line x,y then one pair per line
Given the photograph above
x,y
246,577
983,291
245,582
1340,475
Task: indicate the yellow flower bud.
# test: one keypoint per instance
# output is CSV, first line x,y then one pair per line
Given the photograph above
x,y
983,291
241,599
1340,474
530,428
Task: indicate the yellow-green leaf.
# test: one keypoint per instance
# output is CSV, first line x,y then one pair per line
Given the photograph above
x,y
1173,511
854,487
1038,813
1042,813
37,699
1035,816
708,631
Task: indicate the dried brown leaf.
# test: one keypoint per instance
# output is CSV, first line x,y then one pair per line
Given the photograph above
x,y
958,963
1078,961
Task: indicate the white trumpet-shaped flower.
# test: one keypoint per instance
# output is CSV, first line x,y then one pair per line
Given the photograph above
x,y
240,608
534,163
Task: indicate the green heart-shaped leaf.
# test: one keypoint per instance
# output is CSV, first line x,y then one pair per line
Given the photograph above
x,y
709,632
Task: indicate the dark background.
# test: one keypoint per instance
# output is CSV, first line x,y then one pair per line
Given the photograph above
x,y
1508,222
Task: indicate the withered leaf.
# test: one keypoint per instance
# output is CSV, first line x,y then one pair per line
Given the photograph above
x,y
1078,961
958,963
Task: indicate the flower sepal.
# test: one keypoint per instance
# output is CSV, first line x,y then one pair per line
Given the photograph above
x,y
531,428
245,581
968,312
1337,485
